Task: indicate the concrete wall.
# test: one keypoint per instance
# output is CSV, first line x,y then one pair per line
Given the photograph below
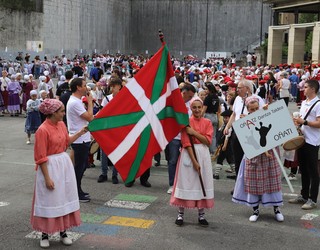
x,y
131,26
69,25
88,25
16,27
232,25
73,25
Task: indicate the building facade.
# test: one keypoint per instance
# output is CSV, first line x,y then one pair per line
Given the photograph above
x,y
296,31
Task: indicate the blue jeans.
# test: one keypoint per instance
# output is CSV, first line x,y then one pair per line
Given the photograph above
x,y
105,164
81,154
174,153
37,71
215,123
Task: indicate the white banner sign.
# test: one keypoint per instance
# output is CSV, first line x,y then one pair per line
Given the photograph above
x,y
36,46
265,129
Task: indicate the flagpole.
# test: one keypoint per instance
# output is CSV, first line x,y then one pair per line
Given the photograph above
x,y
161,37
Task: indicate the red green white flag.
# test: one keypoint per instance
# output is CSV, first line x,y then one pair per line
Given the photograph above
x,y
142,118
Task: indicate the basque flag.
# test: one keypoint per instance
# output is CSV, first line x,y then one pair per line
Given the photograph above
x,y
142,118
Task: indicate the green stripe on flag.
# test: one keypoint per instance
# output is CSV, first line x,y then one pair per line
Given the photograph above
x,y
168,112
133,118
115,121
160,77
142,149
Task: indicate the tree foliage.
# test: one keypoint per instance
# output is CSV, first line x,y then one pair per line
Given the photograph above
x,y
308,18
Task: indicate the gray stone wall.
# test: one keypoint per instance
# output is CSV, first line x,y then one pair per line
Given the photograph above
x,y
16,27
131,26
69,26
76,25
231,25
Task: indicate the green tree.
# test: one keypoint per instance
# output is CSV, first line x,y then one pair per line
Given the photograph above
x,y
307,18
308,44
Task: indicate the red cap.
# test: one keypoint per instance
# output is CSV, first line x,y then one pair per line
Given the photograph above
x,y
261,82
231,84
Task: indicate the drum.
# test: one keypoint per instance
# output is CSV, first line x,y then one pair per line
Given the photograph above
x,y
94,147
294,143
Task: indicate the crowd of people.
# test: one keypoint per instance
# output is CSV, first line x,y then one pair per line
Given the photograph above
x,y
216,93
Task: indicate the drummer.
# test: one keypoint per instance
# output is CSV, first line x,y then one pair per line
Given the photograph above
x,y
308,153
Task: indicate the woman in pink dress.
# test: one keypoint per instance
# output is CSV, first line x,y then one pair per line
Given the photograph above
x,y
187,191
55,206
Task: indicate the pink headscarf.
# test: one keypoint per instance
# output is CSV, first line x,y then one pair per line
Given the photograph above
x,y
49,106
196,98
251,99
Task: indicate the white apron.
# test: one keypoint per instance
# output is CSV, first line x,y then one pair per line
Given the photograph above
x,y
188,185
63,199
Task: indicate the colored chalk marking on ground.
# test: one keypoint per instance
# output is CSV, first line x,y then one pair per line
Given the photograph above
x,y
92,218
117,211
135,197
307,225
129,222
99,229
91,241
54,237
309,216
3,203
127,204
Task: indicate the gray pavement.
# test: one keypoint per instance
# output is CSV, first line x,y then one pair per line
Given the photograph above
x,y
229,225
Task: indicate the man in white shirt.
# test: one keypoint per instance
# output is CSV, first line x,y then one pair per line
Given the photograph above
x,y
77,118
308,153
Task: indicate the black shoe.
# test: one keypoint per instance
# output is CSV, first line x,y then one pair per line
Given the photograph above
x,y
233,177
102,178
115,180
157,164
92,165
85,194
231,192
179,222
84,199
146,184
203,222
129,184
216,177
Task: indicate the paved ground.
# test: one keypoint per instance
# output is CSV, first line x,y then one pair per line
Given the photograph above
x,y
149,223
